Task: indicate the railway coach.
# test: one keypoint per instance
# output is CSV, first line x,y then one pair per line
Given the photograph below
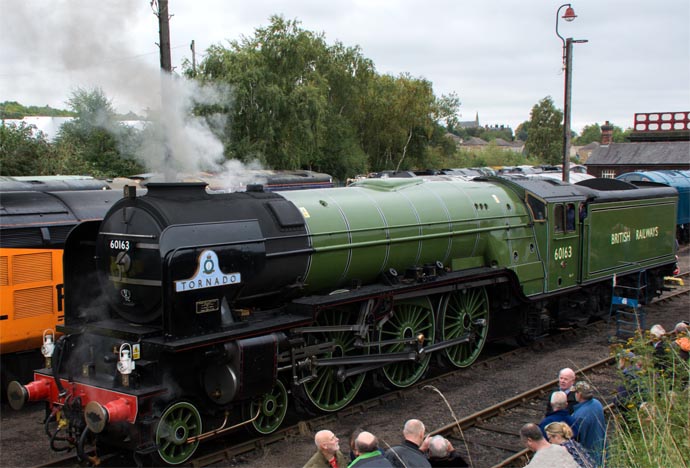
x,y
679,180
189,314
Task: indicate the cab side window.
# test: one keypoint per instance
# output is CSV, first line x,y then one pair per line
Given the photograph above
x,y
537,207
570,217
558,218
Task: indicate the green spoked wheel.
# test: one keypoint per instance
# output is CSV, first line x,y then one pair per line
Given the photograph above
x,y
271,408
326,392
410,319
465,312
179,422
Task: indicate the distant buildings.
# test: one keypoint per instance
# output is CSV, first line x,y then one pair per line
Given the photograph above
x,y
659,141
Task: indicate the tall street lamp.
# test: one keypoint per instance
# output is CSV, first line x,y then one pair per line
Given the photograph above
x,y
568,68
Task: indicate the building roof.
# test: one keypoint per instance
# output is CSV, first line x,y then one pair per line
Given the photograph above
x,y
671,152
474,141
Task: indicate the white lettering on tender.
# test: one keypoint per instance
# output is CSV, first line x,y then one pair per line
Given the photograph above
x,y
647,233
620,237
208,275
640,234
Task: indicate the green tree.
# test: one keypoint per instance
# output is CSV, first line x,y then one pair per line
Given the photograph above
x,y
590,133
545,138
300,103
24,150
14,110
522,131
95,142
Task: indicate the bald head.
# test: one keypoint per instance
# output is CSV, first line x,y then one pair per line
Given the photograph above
x,y
566,378
326,442
366,442
414,431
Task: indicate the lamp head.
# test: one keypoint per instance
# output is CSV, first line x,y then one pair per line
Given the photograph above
x,y
569,14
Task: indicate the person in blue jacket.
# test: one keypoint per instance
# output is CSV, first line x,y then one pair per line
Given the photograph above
x,y
590,423
559,413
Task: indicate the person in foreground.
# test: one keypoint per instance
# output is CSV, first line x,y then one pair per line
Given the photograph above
x,y
408,454
442,454
328,454
367,453
546,454
560,433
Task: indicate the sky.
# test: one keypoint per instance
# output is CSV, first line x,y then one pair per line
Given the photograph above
x,y
500,57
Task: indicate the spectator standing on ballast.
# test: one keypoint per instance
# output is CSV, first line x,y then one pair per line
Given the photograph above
x,y
368,453
408,453
328,454
442,454
546,454
559,403
590,423
560,433
566,380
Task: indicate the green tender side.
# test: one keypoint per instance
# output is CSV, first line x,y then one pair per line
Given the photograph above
x,y
363,230
624,236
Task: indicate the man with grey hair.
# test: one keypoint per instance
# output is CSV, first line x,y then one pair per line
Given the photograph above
x,y
328,454
442,454
590,422
566,380
408,454
546,454
559,403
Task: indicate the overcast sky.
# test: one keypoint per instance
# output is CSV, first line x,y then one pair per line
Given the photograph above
x,y
500,57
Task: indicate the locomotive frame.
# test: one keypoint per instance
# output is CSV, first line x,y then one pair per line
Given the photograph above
x,y
212,309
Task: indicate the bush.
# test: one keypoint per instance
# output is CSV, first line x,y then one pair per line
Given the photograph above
x,y
651,425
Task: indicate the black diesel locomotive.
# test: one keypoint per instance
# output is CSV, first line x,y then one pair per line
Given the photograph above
x,y
189,314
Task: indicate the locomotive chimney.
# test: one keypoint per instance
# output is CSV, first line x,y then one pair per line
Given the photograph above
x,y
606,133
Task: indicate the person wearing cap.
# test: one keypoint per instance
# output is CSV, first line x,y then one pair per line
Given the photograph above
x,y
590,423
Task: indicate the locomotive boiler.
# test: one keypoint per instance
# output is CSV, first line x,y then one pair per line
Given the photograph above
x,y
189,314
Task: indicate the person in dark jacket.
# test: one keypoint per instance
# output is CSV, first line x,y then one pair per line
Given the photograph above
x,y
408,454
368,453
566,380
559,403
442,454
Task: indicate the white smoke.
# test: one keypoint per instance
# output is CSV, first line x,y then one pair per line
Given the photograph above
x,y
178,142
81,44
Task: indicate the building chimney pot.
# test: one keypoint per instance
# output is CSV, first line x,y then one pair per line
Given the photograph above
x,y
606,133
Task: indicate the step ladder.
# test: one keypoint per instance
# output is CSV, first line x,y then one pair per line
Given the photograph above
x,y
627,299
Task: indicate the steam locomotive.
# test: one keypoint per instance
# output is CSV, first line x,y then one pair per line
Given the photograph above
x,y
36,214
189,314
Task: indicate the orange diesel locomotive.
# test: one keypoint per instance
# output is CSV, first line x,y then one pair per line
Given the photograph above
x,y
33,228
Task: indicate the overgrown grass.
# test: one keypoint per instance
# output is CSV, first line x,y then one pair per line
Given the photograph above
x,y
652,426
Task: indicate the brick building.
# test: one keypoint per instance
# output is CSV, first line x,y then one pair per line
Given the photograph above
x,y
659,141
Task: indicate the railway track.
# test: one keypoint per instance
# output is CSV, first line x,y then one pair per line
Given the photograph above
x,y
492,433
497,428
